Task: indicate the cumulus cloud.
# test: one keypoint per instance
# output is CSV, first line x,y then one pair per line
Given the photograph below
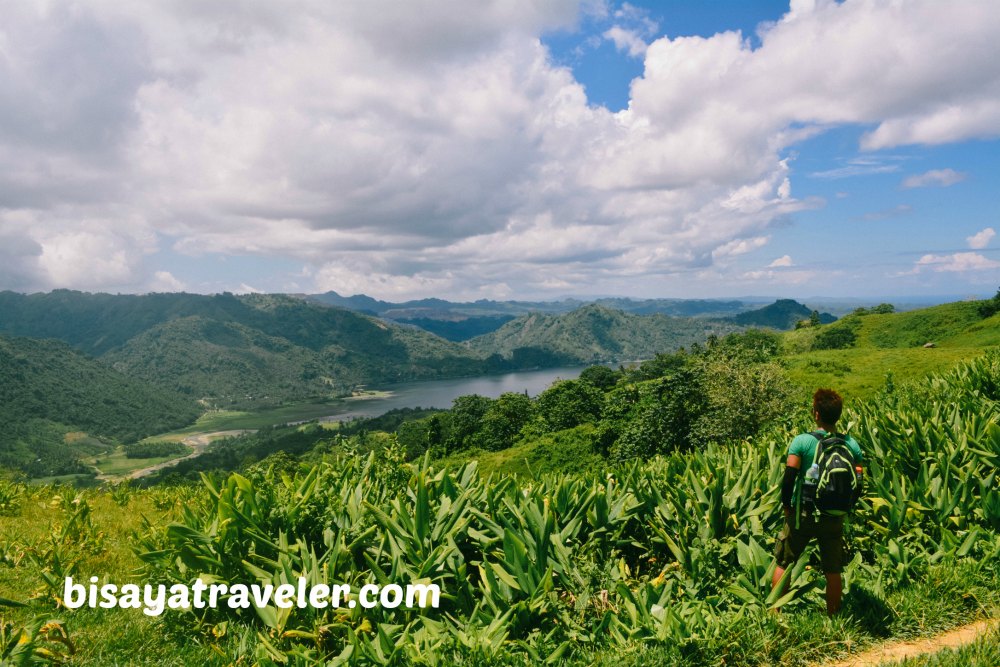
x,y
626,40
981,239
936,177
959,262
785,260
739,247
164,281
798,277
435,148
632,28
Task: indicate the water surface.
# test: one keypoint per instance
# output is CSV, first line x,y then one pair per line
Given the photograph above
x,y
441,393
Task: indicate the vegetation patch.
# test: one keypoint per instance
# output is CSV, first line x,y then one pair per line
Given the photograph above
x,y
154,449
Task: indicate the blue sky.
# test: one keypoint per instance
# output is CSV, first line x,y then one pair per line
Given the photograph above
x,y
507,149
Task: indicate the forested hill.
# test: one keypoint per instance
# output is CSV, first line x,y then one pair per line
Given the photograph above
x,y
782,314
595,333
459,321
48,391
228,347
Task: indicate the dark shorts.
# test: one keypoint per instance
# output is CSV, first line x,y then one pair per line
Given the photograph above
x,y
828,531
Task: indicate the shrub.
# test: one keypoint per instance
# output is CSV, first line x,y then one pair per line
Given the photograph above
x,y
989,307
601,377
839,337
568,403
152,450
503,421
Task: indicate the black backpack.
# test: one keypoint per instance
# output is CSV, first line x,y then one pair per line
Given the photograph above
x,y
838,485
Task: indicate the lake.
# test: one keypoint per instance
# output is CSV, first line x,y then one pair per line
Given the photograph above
x,y
441,393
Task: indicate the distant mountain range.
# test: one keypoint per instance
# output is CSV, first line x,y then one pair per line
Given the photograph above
x,y
459,321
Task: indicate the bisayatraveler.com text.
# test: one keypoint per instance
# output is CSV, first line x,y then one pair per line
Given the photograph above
x,y
154,599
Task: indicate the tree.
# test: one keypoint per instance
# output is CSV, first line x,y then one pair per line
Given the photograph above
x,y
466,414
884,309
814,319
740,398
989,307
755,344
569,403
837,338
438,432
601,377
414,436
503,421
661,420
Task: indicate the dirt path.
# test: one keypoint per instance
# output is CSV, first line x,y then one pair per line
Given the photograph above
x,y
897,651
197,442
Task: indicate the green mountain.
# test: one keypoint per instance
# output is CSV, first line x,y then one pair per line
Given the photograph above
x,y
782,314
53,397
457,328
594,333
235,350
460,321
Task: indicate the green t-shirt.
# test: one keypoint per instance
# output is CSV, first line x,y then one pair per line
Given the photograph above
x,y
804,446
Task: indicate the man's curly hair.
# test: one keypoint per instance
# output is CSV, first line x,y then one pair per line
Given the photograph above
x,y
829,405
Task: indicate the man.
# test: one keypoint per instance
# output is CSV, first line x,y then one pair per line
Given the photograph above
x,y
802,523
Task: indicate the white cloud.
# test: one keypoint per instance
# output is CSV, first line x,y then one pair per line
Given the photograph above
x,y
739,247
936,177
798,277
434,147
981,239
626,40
164,281
781,261
959,262
855,169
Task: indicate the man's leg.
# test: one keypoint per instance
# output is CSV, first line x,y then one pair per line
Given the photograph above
x,y
778,573
789,547
834,592
830,534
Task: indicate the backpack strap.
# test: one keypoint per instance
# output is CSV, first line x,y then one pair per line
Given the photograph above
x,y
819,445
829,436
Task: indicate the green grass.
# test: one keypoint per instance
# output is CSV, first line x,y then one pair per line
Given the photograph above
x,y
119,464
566,451
891,344
231,420
101,636
74,479
947,598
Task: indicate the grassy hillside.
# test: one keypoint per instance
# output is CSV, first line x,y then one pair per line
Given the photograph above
x,y
49,393
594,334
890,344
